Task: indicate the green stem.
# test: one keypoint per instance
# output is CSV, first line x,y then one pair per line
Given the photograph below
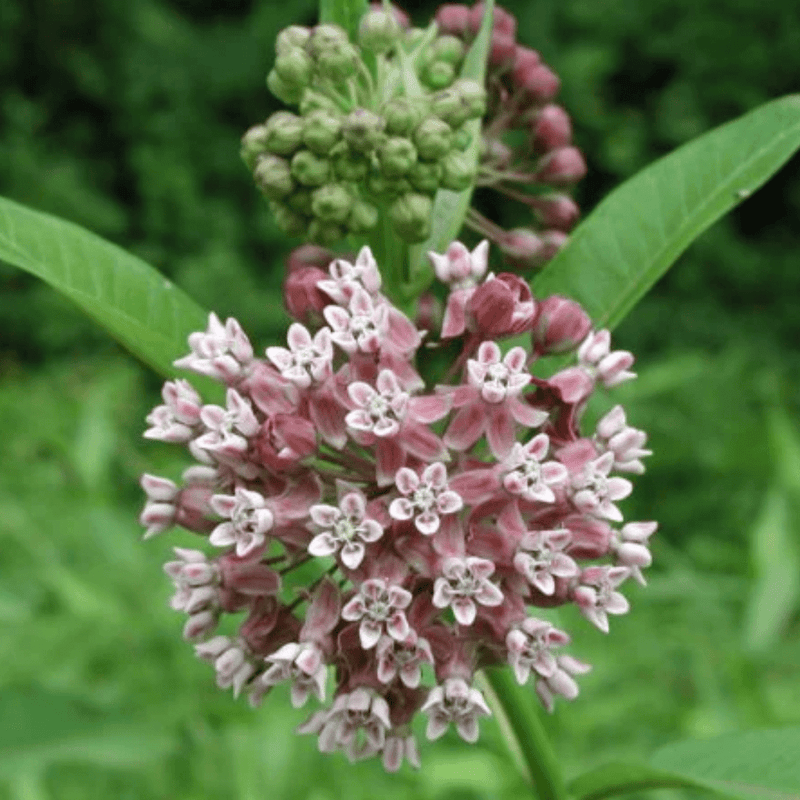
x,y
526,738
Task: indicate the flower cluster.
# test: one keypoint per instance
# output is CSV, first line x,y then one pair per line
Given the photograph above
x,y
440,522
538,156
361,139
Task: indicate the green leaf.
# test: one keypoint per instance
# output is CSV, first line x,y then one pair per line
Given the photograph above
x,y
135,303
619,778
346,13
641,228
754,764
450,208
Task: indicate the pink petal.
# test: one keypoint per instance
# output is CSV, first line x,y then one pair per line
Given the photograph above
x,y
397,627
466,428
407,480
353,504
436,475
429,408
369,632
449,502
401,508
298,336
500,432
323,545
390,458
464,610
489,595
422,442
324,515
428,523
467,728
361,393
371,530
352,554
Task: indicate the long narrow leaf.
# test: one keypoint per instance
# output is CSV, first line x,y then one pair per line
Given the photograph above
x,y
641,228
135,303
619,778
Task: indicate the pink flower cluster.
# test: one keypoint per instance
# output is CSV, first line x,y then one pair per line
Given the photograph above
x,y
439,522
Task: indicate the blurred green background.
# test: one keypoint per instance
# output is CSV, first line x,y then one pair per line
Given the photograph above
x,y
125,117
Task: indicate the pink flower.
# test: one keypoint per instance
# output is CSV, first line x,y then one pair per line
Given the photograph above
x,y
302,664
541,558
457,703
177,420
231,661
529,475
502,306
403,659
595,356
530,647
425,497
490,402
465,582
630,548
307,360
223,352
561,681
615,435
346,278
379,607
595,493
249,520
596,597
459,267
361,326
344,529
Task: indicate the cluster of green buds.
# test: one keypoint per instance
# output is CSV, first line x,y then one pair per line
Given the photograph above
x,y
379,128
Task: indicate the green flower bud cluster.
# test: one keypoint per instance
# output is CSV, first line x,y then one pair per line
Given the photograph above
x,y
443,62
334,166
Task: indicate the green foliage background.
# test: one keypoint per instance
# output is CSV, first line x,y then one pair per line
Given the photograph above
x,y
125,117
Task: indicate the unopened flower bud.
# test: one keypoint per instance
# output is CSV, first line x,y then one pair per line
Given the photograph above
x,y
338,63
462,139
379,31
300,201
313,100
291,38
383,186
458,171
363,217
273,176
525,60
523,248
302,297
310,169
331,203
396,156
283,133
449,106
539,82
325,233
411,216
402,115
561,325
295,67
309,255
288,93
363,130
433,138
321,131
473,94
425,176
502,51
453,18
327,36
556,211
348,165
502,20
551,129
447,48
438,74
562,166
254,144
287,220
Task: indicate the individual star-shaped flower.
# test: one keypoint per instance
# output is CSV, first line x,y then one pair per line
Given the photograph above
x,y
454,702
466,582
425,497
248,517
379,607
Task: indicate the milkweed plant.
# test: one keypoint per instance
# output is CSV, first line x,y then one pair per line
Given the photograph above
x,y
391,502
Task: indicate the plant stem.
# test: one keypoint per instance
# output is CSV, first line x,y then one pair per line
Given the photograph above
x,y
523,731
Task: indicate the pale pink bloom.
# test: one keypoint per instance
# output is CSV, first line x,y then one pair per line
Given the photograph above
x,y
595,493
160,509
502,306
248,517
403,658
302,664
176,420
561,681
344,529
454,702
630,547
378,411
541,559
626,443
397,747
231,659
490,402
379,607
356,723
465,582
530,647
597,594
560,325
223,352
425,497
227,429
609,368
361,326
345,277
195,579
529,475
307,360
459,267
